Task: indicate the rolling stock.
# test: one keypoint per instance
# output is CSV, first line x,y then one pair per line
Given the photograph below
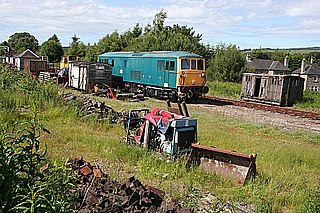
x,y
171,75
281,90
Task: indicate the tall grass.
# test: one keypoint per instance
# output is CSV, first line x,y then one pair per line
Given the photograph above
x,y
24,185
224,89
311,101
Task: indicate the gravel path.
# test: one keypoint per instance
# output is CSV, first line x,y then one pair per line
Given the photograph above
x,y
285,122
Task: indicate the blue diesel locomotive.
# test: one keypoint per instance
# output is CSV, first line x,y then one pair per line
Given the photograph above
x,y
171,75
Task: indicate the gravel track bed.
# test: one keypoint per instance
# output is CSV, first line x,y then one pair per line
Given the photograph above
x,y
283,121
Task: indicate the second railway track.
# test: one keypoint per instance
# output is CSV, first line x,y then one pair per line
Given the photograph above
x,y
271,108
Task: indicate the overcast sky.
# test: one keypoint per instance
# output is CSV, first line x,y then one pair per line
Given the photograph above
x,y
246,23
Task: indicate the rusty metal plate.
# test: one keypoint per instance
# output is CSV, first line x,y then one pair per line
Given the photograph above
x,y
232,165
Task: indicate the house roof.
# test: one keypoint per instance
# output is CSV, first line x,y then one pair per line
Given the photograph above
x,y
27,53
263,64
310,69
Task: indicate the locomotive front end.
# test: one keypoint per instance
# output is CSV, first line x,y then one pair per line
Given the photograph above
x,y
191,78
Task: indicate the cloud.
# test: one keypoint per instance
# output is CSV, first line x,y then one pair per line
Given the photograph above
x,y
234,20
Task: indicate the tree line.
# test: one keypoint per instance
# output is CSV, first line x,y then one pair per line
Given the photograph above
x,y
225,62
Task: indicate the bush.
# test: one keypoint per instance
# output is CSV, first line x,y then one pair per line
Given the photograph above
x,y
28,182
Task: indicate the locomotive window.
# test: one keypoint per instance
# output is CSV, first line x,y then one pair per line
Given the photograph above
x,y
185,64
112,62
172,65
167,65
160,65
193,64
125,63
200,64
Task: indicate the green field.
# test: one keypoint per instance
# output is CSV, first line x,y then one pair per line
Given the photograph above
x,y
288,162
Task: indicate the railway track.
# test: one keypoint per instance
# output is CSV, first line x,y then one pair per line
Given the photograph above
x,y
271,108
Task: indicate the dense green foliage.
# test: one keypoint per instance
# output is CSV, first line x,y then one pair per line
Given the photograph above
x,y
52,48
19,42
28,182
224,89
227,64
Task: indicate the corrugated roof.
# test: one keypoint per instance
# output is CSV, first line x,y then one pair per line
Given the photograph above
x,y
157,54
310,69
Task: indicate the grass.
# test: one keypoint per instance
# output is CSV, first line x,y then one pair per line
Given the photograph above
x,y
287,162
224,89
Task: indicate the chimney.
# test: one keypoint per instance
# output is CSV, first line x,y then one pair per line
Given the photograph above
x,y
303,66
248,58
286,61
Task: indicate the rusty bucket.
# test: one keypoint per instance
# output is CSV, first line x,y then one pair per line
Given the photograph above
x,y
229,164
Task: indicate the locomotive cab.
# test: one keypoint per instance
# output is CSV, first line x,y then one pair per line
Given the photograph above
x,y
192,77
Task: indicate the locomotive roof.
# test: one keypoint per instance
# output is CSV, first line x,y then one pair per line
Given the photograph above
x,y
154,54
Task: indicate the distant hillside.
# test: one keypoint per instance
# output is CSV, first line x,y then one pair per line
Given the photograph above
x,y
291,50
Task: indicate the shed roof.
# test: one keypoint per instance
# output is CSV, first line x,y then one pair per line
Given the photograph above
x,y
27,53
263,64
154,54
310,69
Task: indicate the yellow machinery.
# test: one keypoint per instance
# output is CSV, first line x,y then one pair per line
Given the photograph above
x,y
64,63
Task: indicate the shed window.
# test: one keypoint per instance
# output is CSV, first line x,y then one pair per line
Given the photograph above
x,y
193,64
185,64
135,75
160,65
200,64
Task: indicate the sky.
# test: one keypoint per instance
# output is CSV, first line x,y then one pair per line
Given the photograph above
x,y
245,23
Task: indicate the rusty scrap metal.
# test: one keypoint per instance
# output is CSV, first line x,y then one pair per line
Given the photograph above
x,y
92,108
98,194
233,165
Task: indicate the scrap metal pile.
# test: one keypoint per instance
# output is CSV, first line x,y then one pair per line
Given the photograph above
x,y
98,194
91,108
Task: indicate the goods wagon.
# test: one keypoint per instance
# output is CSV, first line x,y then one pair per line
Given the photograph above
x,y
281,90
172,75
85,75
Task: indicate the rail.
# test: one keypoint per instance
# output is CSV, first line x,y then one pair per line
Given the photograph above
x,y
271,108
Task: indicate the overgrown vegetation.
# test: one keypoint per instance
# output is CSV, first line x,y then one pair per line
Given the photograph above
x,y
224,89
28,181
311,101
287,162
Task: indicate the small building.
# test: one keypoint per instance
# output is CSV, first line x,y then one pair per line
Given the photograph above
x,y
24,61
85,75
281,90
264,66
311,75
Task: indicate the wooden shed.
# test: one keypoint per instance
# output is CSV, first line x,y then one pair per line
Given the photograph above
x,y
282,90
84,75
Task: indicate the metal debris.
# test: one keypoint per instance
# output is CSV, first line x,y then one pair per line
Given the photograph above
x,y
98,194
92,109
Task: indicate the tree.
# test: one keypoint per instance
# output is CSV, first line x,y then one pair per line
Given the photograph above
x,y
23,41
227,64
91,53
77,47
110,43
52,48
